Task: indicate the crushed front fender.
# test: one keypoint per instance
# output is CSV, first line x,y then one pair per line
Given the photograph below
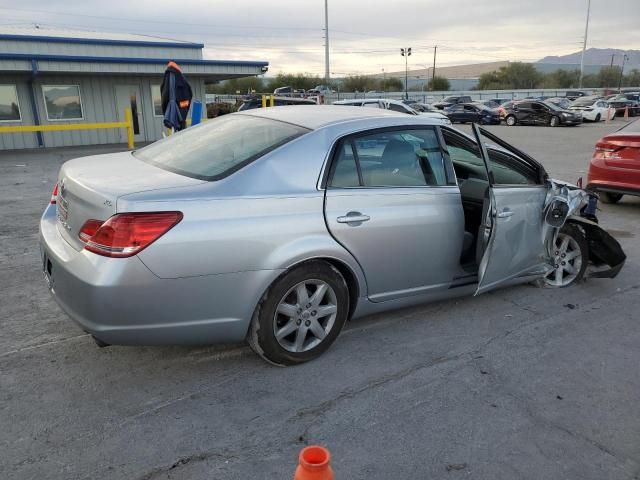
x,y
605,253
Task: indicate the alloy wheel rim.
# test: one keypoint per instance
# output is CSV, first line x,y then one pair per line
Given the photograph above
x,y
567,261
305,315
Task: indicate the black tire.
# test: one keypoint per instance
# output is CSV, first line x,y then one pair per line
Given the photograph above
x,y
511,120
598,118
609,197
261,335
575,233
554,121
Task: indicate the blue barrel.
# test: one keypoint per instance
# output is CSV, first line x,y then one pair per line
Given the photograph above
x,y
196,112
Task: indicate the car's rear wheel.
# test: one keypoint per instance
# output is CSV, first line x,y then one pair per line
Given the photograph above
x,y
554,122
301,314
510,120
570,257
609,197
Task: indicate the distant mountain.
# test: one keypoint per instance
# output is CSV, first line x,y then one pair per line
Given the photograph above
x,y
597,56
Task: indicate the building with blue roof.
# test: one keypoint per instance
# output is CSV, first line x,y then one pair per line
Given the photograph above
x,y
55,76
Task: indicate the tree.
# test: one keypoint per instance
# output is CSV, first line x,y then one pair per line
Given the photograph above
x,y
438,84
632,79
243,85
296,81
609,76
516,75
562,79
391,84
360,83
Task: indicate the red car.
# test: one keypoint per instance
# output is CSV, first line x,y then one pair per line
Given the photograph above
x,y
615,167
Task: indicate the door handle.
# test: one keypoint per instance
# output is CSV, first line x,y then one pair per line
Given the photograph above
x,y
505,214
353,217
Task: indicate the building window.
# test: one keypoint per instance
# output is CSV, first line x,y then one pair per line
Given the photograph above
x,y
9,105
62,102
156,97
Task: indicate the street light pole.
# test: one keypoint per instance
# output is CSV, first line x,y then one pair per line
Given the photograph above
x,y
406,52
433,72
584,45
326,42
624,59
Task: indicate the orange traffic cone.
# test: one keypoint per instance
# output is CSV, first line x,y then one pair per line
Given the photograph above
x,y
314,464
626,113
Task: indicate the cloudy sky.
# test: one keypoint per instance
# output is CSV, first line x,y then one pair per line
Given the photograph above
x,y
365,35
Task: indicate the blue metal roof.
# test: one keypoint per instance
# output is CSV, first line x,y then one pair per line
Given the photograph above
x,y
98,41
162,61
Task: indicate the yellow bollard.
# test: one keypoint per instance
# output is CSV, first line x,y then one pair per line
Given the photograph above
x,y
264,101
129,121
272,101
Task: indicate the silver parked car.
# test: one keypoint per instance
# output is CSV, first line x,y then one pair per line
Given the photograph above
x,y
277,225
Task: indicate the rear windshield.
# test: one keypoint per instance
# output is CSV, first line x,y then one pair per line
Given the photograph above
x,y
584,101
219,147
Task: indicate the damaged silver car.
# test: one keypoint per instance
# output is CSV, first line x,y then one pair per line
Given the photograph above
x,y
278,225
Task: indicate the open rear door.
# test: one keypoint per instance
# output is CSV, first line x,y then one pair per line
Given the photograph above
x,y
511,234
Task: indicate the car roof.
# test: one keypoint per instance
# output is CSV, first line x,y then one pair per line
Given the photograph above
x,y
315,117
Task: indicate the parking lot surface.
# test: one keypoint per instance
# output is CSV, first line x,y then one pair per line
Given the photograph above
x,y
519,383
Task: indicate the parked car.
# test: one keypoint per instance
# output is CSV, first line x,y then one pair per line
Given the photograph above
x,y
502,109
614,170
488,103
279,101
452,100
422,107
393,105
279,224
472,113
573,94
540,113
561,102
283,91
624,102
593,109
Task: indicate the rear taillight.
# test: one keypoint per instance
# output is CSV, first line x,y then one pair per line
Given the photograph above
x,y
54,194
126,234
607,151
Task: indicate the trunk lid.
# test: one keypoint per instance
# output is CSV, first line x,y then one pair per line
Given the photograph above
x,y
89,187
620,150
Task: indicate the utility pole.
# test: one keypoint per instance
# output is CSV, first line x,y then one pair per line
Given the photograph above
x,y
406,53
326,42
612,56
384,81
433,72
624,59
584,45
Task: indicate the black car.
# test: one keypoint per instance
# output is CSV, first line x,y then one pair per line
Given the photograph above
x,y
452,100
623,101
256,102
472,113
540,113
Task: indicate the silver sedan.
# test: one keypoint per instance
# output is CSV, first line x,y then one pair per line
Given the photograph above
x,y
277,225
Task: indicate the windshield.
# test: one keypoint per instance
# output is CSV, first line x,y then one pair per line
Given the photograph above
x,y
450,99
582,102
552,106
218,147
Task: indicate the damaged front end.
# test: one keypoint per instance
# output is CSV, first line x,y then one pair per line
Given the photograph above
x,y
569,204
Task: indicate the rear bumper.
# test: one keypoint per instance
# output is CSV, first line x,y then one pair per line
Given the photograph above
x,y
602,177
121,302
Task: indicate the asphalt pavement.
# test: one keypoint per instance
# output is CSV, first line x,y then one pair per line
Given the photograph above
x,y
520,383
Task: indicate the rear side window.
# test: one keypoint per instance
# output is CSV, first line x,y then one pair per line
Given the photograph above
x,y
219,147
398,158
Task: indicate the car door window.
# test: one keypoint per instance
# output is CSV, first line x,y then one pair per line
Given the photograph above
x,y
398,158
345,169
465,155
469,109
507,169
397,108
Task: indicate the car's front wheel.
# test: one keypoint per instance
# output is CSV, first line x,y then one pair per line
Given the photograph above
x,y
597,118
510,120
554,122
301,314
570,257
